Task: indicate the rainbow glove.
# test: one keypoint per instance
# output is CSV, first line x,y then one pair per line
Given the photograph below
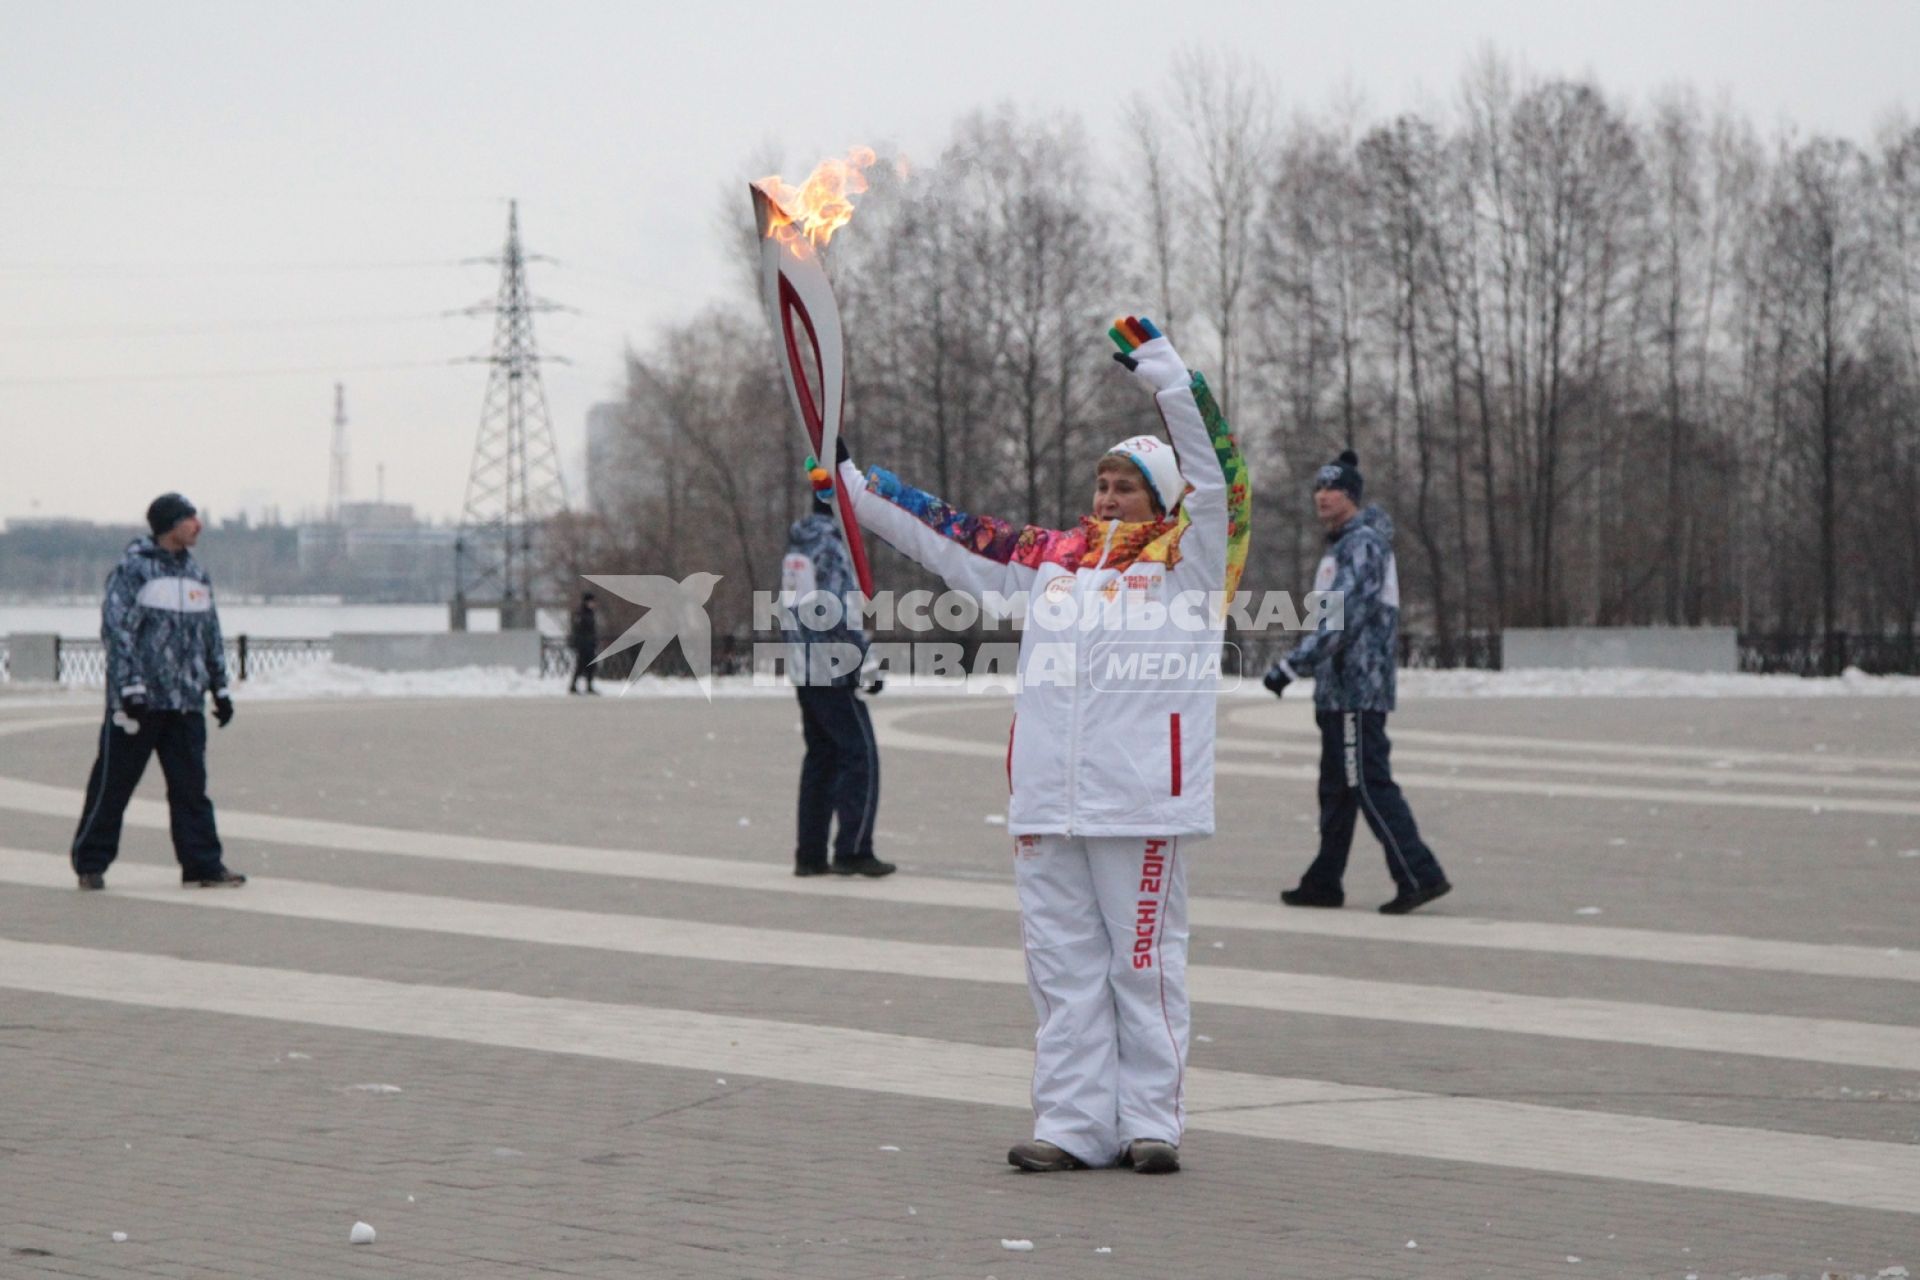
x,y
1147,354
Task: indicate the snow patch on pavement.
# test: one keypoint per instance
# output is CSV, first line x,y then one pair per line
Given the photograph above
x,y
322,680
334,680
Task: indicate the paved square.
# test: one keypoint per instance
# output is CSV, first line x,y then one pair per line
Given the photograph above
x,y
527,985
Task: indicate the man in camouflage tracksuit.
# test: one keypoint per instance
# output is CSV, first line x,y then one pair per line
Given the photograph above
x,y
841,774
164,656
1353,671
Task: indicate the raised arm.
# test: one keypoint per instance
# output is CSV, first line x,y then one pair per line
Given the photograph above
x,y
1218,503
980,555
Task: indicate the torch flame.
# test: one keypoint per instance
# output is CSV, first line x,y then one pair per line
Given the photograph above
x,y
822,204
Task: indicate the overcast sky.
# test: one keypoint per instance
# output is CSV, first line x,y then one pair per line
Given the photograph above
x,y
209,213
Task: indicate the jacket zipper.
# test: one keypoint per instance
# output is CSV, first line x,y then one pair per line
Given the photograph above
x,y
1073,721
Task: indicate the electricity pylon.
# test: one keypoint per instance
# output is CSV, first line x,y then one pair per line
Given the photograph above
x,y
515,485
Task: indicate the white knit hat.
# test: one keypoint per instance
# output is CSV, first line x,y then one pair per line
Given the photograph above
x,y
1157,463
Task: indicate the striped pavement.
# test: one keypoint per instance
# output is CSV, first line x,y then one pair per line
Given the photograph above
x,y
380,935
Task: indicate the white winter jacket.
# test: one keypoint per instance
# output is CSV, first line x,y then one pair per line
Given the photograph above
x,y
1114,718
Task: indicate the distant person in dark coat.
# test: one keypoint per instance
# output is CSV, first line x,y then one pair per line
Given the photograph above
x,y
164,656
584,634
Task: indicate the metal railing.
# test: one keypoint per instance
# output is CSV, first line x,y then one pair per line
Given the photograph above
x,y
83,662
1803,655
248,656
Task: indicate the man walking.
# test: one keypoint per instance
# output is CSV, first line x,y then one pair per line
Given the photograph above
x,y
840,776
584,634
164,656
1353,671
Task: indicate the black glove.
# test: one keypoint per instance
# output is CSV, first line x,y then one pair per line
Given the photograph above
x,y
222,708
876,684
1277,679
840,451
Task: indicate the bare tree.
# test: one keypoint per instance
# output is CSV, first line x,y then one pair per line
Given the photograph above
x,y
1606,366
1226,118
1399,167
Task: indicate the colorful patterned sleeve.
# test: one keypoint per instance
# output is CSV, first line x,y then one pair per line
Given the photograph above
x,y
1239,486
977,554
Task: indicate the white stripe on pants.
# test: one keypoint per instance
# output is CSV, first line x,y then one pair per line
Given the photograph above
x,y
1105,926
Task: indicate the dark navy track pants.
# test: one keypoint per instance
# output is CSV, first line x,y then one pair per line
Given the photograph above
x,y
1356,780
840,778
179,738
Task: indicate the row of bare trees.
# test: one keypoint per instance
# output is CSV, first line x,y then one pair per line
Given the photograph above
x,y
1604,362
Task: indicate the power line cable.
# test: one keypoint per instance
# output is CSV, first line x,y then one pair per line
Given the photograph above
x,y
219,375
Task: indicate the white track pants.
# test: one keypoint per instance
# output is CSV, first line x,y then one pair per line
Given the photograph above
x,y
1105,925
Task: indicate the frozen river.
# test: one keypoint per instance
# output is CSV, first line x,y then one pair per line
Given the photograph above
x,y
306,619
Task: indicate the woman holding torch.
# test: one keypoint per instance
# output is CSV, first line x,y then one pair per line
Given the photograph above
x,y
1110,759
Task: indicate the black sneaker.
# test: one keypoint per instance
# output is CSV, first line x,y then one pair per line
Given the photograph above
x,y
92,880
1150,1155
1413,898
1035,1156
1305,896
810,868
867,866
218,878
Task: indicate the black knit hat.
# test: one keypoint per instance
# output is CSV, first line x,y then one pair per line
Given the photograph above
x,y
168,510
1343,473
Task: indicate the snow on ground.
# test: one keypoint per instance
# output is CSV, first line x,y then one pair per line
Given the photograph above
x,y
1628,683
329,680
334,680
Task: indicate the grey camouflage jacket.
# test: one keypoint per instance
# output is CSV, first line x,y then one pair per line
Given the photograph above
x,y
161,631
1353,668
817,563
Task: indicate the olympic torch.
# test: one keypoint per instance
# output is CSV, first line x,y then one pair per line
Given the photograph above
x,y
795,224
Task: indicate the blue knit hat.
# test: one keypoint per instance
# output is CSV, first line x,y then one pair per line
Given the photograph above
x,y
1343,473
168,510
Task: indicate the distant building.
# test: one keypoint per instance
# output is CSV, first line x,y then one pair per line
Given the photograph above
x,y
47,524
377,515
379,551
